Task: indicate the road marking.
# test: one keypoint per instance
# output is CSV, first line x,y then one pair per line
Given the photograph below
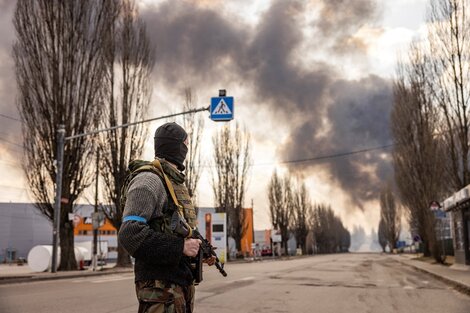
x,y
111,279
408,287
203,294
241,279
102,280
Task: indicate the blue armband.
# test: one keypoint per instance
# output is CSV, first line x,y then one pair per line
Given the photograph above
x,y
134,218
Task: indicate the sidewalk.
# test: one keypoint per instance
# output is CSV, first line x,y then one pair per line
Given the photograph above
x,y
12,273
455,275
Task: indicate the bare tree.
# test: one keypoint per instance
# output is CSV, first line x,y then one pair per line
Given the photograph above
x,y
419,157
301,210
59,59
281,206
194,125
390,216
232,163
449,80
128,90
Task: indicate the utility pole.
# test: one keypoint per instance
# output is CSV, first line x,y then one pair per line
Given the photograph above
x,y
95,229
61,139
59,167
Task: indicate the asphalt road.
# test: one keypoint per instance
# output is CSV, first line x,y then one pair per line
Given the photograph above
x,y
362,283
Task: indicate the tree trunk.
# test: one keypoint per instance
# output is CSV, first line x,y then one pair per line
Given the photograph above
x,y
284,244
67,248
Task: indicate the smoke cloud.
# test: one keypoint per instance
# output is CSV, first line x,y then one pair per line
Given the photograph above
x,y
10,131
201,46
192,43
326,112
341,19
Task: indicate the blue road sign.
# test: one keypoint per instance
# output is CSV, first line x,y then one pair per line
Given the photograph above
x,y
221,109
439,214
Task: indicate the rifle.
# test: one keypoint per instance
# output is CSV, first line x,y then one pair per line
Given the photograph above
x,y
180,226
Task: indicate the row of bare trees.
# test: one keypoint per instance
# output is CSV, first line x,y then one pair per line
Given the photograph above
x,y
291,211
329,234
84,64
430,117
87,65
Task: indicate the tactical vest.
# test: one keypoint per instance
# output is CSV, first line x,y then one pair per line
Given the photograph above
x,y
172,180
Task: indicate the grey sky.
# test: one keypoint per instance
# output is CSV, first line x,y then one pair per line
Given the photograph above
x,y
317,70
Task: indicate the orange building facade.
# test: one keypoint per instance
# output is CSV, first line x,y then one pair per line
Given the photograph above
x,y
247,239
85,228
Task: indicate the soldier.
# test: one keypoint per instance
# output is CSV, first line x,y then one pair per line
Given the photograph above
x,y
163,276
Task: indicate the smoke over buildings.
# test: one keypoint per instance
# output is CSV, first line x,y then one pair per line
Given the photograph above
x,y
326,112
288,60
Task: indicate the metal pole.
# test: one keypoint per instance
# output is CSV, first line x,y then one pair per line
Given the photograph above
x,y
59,168
60,156
138,122
95,230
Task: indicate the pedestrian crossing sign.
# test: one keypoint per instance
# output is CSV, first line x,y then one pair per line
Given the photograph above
x,y
221,109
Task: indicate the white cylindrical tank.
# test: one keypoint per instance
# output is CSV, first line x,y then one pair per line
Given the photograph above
x,y
40,257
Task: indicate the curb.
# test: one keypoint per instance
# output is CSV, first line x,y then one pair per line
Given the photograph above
x,y
5,280
27,278
462,288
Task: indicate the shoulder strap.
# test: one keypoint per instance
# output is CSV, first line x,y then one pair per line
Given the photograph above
x,y
168,183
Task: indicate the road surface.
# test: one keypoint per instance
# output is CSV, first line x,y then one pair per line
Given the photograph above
x,y
352,283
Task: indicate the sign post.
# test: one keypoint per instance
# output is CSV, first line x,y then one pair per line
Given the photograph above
x,y
435,207
222,107
440,216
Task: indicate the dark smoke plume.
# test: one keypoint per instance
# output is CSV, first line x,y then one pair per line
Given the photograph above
x,y
339,21
326,112
192,43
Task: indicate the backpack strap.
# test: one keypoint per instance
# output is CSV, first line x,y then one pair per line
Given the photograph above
x,y
169,185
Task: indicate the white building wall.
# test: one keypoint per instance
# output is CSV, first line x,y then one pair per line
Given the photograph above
x,y
22,227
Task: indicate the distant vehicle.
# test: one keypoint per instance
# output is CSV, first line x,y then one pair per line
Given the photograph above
x,y
102,251
266,251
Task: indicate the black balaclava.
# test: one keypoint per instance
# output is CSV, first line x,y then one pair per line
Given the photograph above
x,y
169,144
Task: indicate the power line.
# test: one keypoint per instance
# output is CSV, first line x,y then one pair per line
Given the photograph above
x,y
136,123
11,143
12,164
319,158
11,118
332,156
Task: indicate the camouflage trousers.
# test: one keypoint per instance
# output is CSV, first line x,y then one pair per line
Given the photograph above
x,y
158,297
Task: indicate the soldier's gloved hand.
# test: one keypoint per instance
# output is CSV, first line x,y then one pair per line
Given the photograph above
x,y
210,260
191,247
